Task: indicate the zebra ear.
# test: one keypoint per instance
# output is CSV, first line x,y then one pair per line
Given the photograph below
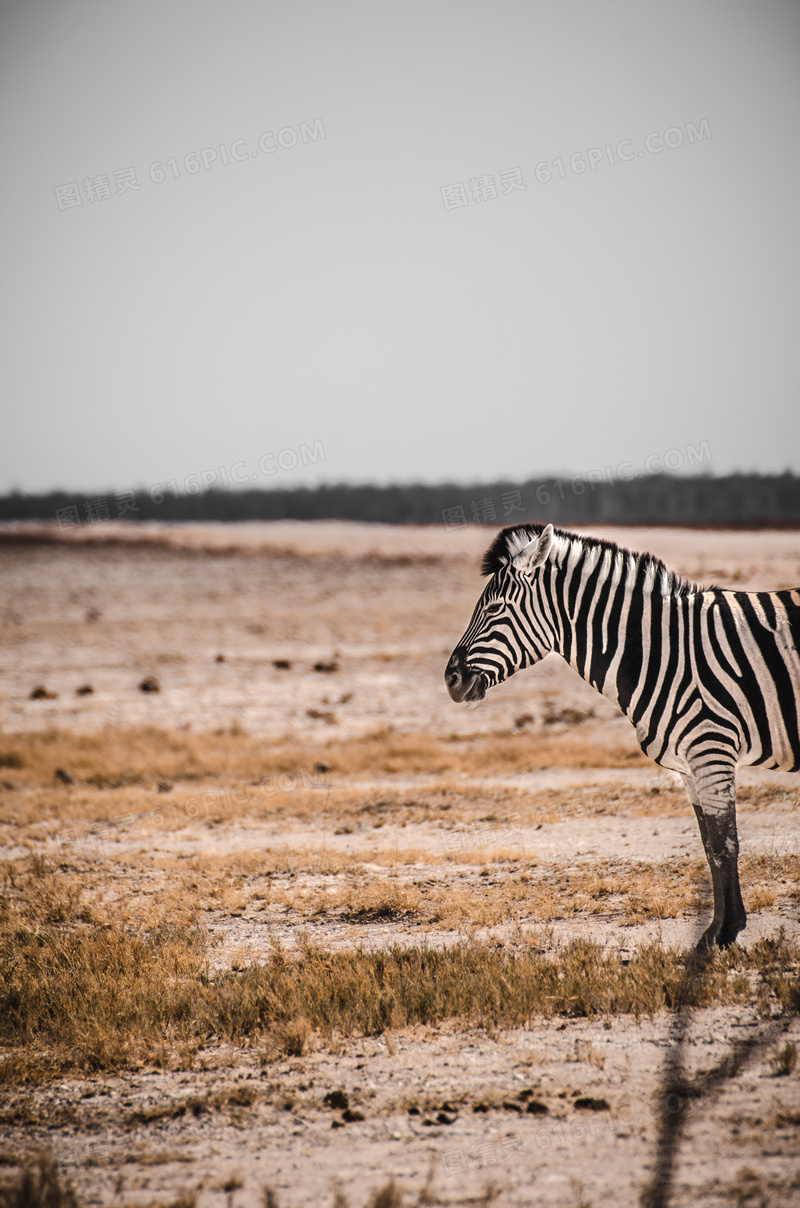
x,y
535,552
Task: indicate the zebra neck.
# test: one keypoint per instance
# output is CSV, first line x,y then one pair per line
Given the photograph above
x,y
613,613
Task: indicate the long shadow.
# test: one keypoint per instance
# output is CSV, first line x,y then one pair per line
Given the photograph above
x,y
678,1091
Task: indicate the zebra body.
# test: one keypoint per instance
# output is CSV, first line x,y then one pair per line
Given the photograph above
x,y
710,679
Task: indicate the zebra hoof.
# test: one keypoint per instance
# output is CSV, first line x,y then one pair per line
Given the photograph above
x,y
729,932
721,937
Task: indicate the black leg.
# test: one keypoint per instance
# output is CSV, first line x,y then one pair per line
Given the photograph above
x,y
713,796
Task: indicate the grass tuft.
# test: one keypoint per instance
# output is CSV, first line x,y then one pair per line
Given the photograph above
x,y
38,1186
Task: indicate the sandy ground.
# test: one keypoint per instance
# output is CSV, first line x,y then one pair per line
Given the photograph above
x,y
382,607
421,1125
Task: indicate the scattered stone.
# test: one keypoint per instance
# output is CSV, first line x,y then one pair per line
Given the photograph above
x,y
321,767
282,664
480,1107
327,668
220,658
351,1116
164,786
414,1111
321,715
64,776
587,1103
512,1107
92,615
523,720
84,690
338,1100
565,717
337,1123
41,693
537,1108
443,1118
150,684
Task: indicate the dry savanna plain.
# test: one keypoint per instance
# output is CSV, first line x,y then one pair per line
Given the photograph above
x,y
280,924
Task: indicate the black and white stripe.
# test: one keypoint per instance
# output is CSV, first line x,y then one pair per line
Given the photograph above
x,y
709,678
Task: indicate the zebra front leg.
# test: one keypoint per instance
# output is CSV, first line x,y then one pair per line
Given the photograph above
x,y
713,796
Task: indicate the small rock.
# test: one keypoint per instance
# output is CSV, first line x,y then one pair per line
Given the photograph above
x,y
150,684
480,1107
282,664
350,1116
321,715
338,1100
593,1105
327,668
164,786
443,1118
536,1108
321,767
92,615
220,658
41,693
84,690
337,1123
64,776
414,1111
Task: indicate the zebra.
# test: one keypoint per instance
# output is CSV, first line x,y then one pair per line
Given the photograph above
x,y
709,678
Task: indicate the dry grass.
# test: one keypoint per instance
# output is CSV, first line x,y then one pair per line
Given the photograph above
x,y
485,893
38,1185
213,778
83,992
785,1059
160,895
754,1189
115,758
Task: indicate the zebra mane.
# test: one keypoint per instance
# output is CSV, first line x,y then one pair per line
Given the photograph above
x,y
509,541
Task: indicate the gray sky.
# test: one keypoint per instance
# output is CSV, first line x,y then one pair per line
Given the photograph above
x,y
324,295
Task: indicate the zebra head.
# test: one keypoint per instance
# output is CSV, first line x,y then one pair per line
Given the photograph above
x,y
507,630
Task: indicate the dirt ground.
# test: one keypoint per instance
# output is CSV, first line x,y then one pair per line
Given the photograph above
x,y
528,819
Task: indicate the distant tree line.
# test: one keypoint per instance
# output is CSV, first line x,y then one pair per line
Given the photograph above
x,y
737,500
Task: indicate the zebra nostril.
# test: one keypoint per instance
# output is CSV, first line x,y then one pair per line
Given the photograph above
x,y
454,672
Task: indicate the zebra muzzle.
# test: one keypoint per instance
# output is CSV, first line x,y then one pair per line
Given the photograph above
x,y
463,683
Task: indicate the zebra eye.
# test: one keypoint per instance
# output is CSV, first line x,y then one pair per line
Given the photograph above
x,y
496,607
